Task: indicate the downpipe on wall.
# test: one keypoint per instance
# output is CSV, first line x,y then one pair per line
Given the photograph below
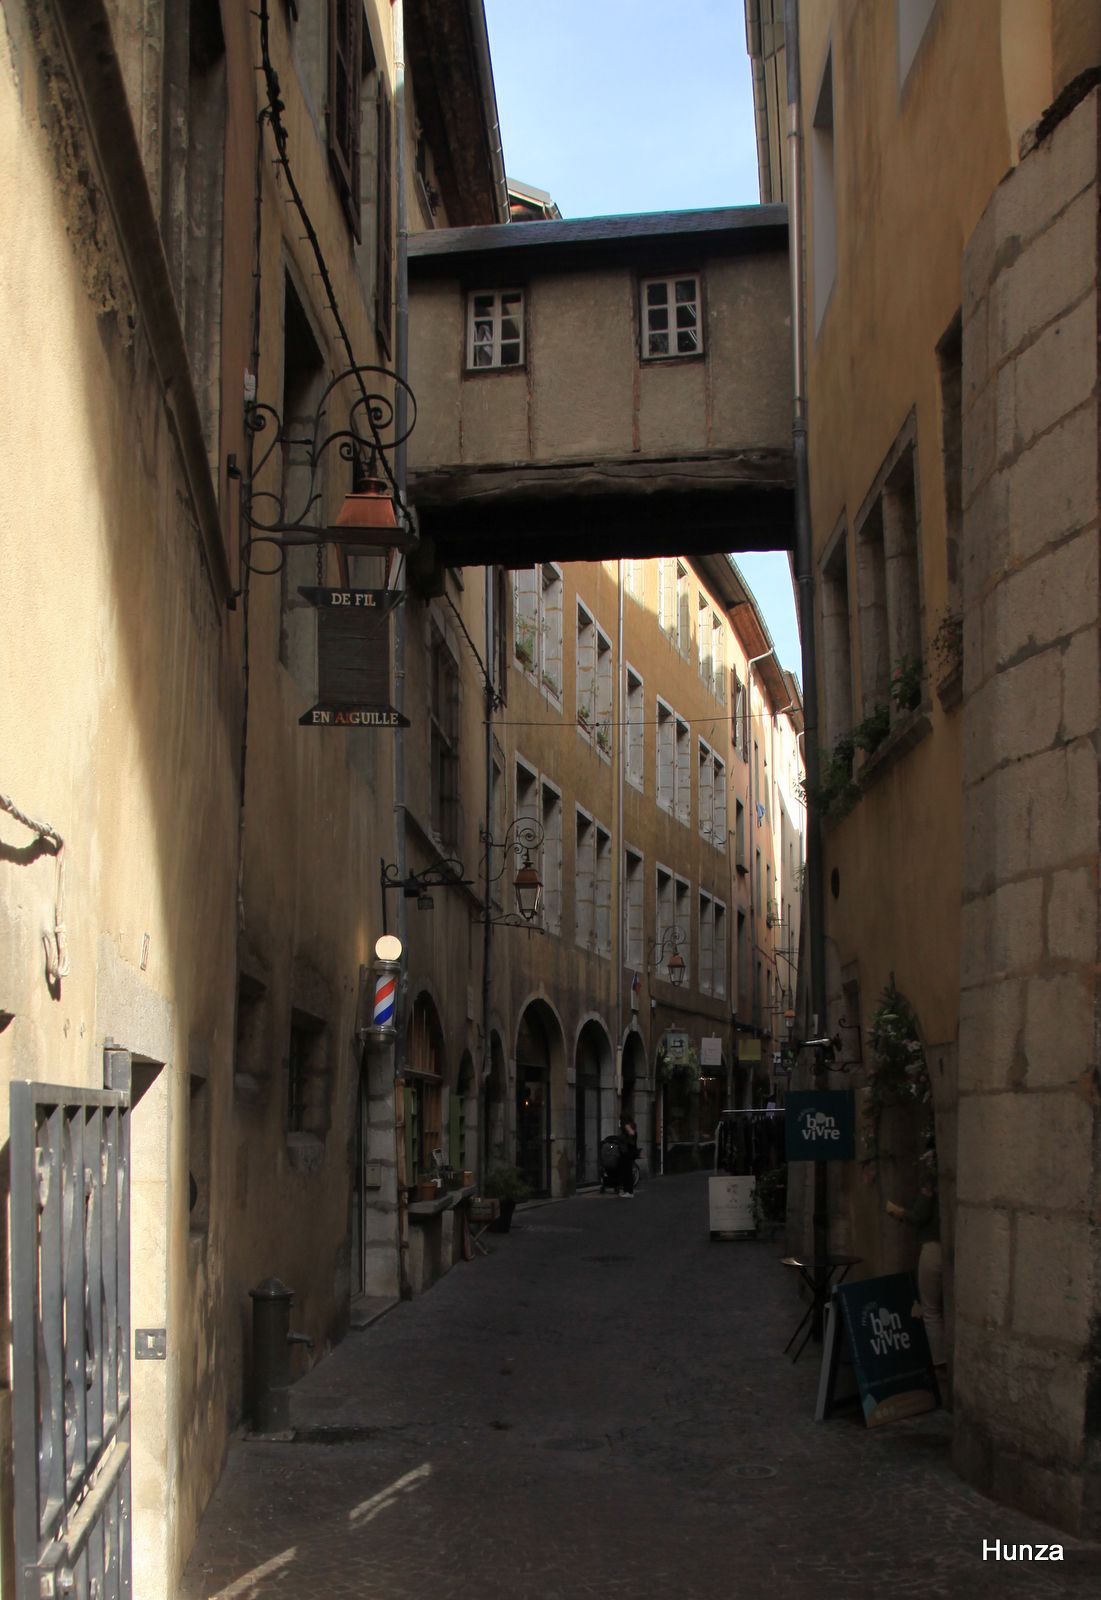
x,y
804,578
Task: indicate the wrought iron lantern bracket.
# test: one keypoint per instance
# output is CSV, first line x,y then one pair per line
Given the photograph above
x,y
287,516
522,836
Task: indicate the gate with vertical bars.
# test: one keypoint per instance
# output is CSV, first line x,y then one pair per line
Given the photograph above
x,y
70,1255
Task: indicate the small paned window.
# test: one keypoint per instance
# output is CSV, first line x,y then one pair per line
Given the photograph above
x,y
495,329
671,323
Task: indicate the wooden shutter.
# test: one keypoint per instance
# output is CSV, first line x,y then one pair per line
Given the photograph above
x,y
384,291
345,88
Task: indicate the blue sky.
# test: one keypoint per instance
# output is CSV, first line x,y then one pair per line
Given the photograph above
x,y
630,105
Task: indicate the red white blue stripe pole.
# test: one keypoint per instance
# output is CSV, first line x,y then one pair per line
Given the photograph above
x,y
387,970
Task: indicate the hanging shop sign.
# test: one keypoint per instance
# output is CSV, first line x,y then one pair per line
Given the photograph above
x,y
677,1047
874,1326
819,1125
711,1051
749,1049
353,659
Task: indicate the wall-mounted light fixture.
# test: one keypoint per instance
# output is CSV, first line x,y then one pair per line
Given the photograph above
x,y
668,941
444,873
523,836
367,519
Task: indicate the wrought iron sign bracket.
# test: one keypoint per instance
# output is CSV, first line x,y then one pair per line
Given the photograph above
x,y
288,516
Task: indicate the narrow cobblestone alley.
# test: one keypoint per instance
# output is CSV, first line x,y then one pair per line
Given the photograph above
x,y
601,1408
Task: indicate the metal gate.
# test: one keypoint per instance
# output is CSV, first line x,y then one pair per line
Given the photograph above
x,y
70,1254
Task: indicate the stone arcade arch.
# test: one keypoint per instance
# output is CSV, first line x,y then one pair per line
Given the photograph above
x,y
541,1151
493,1120
595,1111
638,1095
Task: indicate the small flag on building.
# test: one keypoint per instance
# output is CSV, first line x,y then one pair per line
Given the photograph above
x,y
636,985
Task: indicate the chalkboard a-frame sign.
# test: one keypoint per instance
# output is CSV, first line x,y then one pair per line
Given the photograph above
x,y
353,659
876,1325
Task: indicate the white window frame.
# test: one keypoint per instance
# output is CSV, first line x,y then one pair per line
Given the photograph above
x,y
682,918
703,637
719,824
667,595
665,755
682,774
651,333
634,734
684,605
719,955
634,908
603,694
718,658
525,619
550,630
585,671
584,879
707,940
705,779
552,854
494,320
602,891
664,907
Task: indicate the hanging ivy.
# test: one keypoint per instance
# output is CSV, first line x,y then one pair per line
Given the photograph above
x,y
897,1074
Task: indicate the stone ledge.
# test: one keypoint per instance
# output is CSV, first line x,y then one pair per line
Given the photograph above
x,y
907,733
422,1210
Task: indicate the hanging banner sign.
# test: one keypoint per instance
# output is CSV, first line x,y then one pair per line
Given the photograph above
x,y
819,1125
749,1049
353,659
877,1325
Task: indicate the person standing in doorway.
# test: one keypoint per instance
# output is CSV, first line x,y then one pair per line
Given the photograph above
x,y
923,1216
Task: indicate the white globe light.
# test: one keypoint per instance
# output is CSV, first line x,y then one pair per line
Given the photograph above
x,y
388,948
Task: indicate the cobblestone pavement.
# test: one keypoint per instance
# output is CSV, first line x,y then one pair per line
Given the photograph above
x,y
602,1408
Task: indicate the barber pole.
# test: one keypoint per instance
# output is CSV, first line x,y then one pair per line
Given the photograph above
x,y
386,988
387,971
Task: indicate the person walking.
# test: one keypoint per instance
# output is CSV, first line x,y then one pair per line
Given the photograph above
x,y
924,1217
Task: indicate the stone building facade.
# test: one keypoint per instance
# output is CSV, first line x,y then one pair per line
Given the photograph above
x,y
204,207
951,385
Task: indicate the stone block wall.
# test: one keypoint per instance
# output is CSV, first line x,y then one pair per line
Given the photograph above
x,y
1028,1230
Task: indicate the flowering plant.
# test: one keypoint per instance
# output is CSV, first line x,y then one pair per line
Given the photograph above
x,y
897,1071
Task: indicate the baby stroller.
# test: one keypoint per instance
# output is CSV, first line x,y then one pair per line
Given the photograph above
x,y
613,1153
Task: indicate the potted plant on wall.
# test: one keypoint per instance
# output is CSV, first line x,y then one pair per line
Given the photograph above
x,y
505,1185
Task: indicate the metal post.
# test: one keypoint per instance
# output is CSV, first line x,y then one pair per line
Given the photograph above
x,y
804,577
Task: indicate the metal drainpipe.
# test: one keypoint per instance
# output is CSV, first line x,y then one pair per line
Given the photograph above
x,y
485,72
753,826
401,365
804,577
617,756
487,932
